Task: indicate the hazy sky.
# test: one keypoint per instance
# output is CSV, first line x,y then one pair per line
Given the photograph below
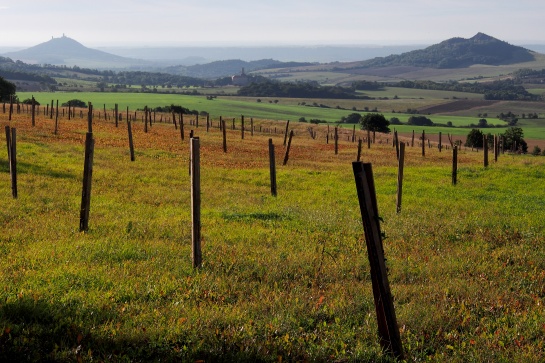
x,y
256,22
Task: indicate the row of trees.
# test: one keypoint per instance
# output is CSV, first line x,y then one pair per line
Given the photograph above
x,y
512,137
295,90
507,89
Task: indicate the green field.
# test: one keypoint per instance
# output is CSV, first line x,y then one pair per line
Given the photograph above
x,y
292,109
283,279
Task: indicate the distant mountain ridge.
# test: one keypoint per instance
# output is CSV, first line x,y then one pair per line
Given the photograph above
x,y
458,53
67,51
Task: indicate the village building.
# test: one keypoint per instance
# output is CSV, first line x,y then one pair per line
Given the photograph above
x,y
240,79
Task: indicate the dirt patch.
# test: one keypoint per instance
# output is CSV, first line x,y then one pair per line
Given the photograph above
x,y
455,106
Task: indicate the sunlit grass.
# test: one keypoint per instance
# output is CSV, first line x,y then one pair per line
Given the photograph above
x,y
282,277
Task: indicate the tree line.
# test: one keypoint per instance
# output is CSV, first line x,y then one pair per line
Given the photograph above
x,y
507,89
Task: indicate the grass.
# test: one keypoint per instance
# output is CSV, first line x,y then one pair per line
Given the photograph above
x,y
283,278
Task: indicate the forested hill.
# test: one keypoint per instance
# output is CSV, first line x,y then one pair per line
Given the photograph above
x,y
458,53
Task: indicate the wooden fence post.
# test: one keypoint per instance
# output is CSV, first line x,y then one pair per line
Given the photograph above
x,y
242,127
390,340
412,140
87,178
251,126
224,133
182,131
336,141
485,149
10,107
423,143
496,148
286,157
401,158
11,141
131,144
272,164
196,252
116,115
368,138
359,150
33,111
57,118
396,144
207,122
454,164
90,118
51,111
145,119
440,146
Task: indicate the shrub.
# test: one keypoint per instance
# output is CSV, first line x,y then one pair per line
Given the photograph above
x,y
536,151
75,103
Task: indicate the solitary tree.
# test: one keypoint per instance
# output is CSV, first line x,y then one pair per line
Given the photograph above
x,y
375,122
513,136
474,138
353,118
6,89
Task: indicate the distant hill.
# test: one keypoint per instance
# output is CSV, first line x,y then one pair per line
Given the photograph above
x,y
229,67
67,51
458,53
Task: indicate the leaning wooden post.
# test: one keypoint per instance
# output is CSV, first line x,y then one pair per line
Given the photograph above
x,y
131,144
33,111
272,164
454,164
485,149
196,252
336,141
423,143
390,340
401,158
224,133
359,150
90,118
87,177
286,132
286,157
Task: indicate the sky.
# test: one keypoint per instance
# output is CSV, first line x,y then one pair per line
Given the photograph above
x,y
262,23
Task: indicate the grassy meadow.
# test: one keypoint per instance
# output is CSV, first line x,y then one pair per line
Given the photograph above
x,y
284,279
